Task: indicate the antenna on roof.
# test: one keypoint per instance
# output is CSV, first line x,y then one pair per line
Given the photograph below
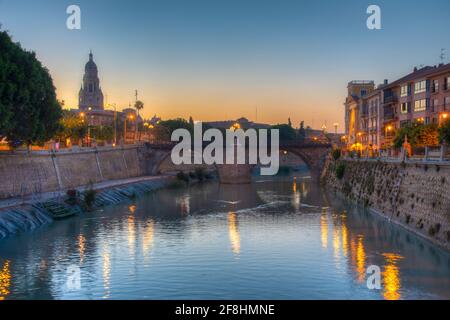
x,y
442,56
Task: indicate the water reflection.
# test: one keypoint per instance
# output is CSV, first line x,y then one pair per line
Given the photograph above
x,y
106,271
147,239
5,280
81,247
344,234
360,258
290,230
391,277
324,228
233,230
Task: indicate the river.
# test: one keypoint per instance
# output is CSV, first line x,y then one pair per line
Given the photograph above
x,y
278,238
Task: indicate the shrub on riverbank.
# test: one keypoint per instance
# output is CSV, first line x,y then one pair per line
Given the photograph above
x,y
181,176
340,170
336,154
200,174
89,198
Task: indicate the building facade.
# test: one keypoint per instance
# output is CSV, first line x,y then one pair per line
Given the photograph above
x,y
356,112
373,116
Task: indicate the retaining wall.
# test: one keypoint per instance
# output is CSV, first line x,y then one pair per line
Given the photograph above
x,y
25,174
415,195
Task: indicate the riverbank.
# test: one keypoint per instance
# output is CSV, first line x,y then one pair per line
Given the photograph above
x,y
25,214
413,195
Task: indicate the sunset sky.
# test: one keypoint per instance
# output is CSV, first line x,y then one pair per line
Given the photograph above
x,y
217,60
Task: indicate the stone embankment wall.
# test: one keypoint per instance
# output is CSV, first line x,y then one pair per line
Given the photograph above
x,y
25,174
415,195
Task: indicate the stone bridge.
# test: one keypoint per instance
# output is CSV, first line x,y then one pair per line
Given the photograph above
x,y
312,153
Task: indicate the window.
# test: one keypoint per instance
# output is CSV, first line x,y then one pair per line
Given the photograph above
x,y
404,91
90,87
435,85
435,105
420,105
446,83
446,103
404,108
420,86
363,92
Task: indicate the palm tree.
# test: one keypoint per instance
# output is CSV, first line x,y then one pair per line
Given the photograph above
x,y
138,105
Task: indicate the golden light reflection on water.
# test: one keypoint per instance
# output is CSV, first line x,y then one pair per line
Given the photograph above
x,y
296,199
344,235
147,239
233,230
391,277
131,234
294,185
81,247
360,258
336,243
106,271
324,229
5,280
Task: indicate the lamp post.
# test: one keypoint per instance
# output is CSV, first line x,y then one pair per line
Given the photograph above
x,y
336,125
115,124
131,117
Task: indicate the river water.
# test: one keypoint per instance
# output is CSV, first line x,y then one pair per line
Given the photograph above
x,y
281,238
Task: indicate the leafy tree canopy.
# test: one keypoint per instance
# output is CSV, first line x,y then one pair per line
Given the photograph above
x,y
286,131
72,126
419,135
444,132
29,111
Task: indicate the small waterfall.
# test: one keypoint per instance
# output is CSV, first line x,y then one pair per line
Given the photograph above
x,y
17,220
21,220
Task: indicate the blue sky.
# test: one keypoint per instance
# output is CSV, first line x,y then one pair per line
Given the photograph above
x,y
222,59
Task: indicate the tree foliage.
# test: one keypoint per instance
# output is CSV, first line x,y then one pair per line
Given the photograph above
x,y
286,131
419,135
29,111
104,133
72,126
444,132
173,124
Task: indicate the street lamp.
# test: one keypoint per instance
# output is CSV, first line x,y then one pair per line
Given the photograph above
x,y
336,125
115,123
131,118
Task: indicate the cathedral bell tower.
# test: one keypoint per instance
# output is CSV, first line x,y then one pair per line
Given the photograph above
x,y
90,95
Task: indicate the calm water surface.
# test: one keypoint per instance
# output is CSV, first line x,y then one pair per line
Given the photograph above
x,y
276,239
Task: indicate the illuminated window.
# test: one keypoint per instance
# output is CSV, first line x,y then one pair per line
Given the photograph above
x,y
420,105
404,91
420,86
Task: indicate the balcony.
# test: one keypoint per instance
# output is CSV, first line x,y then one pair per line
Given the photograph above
x,y
390,99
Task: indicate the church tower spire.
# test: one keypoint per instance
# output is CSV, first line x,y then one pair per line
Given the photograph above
x,y
91,95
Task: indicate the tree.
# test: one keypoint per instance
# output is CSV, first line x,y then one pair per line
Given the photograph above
x,y
191,122
29,111
173,124
286,132
399,138
301,131
138,105
426,135
103,133
419,135
72,127
289,122
444,132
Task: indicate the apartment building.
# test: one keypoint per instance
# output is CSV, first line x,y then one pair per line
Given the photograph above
x,y
373,118
356,115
